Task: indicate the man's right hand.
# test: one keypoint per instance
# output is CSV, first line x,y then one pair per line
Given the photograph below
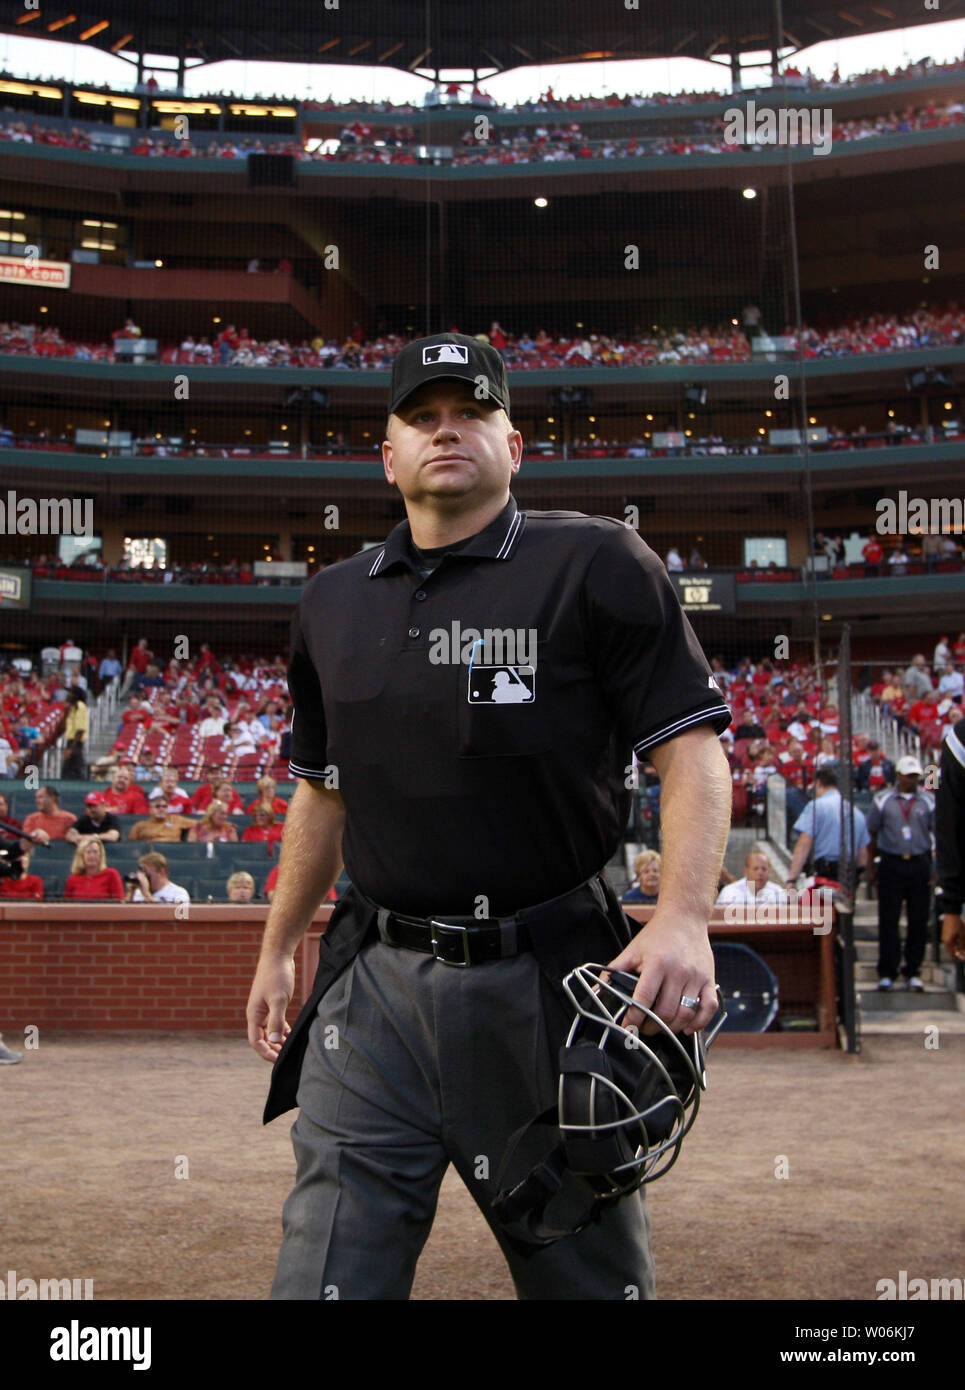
x,y
271,993
953,935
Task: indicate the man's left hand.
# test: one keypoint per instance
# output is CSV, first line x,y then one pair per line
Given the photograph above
x,y
672,958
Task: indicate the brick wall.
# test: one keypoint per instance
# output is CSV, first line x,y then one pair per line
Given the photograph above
x,y
125,968
135,967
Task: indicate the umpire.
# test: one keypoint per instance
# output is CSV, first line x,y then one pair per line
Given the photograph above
x,y
466,698
950,840
901,823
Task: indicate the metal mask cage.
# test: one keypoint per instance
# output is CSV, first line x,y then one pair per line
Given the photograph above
x,y
612,1128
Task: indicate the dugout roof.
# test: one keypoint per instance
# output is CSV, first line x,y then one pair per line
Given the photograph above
x,y
457,34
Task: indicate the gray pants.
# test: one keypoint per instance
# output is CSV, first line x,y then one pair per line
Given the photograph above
x,y
411,1065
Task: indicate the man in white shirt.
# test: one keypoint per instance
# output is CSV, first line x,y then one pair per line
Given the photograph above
x,y
674,561
179,801
952,682
213,722
753,887
239,739
943,653
153,883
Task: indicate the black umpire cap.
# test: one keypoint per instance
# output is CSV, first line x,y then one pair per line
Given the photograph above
x,y
449,357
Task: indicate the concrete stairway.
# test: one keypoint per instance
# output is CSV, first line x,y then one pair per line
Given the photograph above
x,y
900,1010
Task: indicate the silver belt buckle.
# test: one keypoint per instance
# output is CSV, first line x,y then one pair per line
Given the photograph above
x,y
438,931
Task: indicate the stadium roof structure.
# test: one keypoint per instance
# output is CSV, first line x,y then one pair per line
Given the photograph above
x,y
445,35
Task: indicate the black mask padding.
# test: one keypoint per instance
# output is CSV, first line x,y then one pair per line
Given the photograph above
x,y
586,1099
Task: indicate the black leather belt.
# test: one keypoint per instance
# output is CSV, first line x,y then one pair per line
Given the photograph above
x,y
458,941
463,941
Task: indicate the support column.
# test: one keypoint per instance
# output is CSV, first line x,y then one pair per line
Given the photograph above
x,y
735,72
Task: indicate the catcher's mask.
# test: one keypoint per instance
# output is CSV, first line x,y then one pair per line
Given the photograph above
x,y
625,1103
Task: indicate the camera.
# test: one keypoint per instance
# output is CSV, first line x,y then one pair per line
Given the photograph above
x,y
11,859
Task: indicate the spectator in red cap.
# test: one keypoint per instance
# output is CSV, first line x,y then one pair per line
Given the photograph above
x,y
96,820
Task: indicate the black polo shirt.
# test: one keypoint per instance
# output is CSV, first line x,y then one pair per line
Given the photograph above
x,y
86,825
480,778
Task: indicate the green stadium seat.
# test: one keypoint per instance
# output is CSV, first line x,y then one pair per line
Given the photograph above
x,y
245,855
222,855
182,852
203,888
121,853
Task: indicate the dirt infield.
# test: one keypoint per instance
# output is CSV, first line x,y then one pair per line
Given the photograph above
x,y
96,1127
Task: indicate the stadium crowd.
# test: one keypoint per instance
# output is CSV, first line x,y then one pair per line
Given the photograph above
x,y
223,723
214,721
928,326
361,143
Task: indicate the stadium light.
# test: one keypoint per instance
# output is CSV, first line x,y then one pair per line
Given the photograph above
x,y
749,193
541,202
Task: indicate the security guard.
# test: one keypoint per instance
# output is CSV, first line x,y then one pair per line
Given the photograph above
x,y
819,830
901,823
950,840
466,699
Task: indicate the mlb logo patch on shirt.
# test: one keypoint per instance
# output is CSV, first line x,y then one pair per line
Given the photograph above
x,y
444,352
501,685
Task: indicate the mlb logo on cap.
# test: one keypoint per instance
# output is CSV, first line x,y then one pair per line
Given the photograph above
x,y
444,352
449,357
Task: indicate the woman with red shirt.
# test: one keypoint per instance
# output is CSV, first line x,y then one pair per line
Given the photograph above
x,y
264,829
89,875
266,797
